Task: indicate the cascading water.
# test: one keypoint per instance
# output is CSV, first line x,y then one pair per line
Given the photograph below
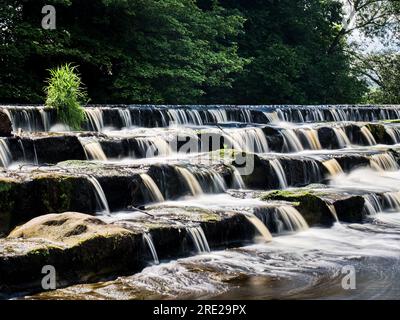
x,y
292,219
190,181
259,226
372,204
199,239
153,146
151,191
311,138
333,211
126,117
394,133
291,142
95,118
237,180
248,140
391,201
280,173
369,138
5,154
149,241
93,149
384,162
342,138
101,198
333,167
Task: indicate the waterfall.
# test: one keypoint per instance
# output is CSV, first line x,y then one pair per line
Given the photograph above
x,y
21,144
291,142
209,180
218,115
383,162
260,226
190,180
152,192
248,140
45,119
237,180
342,138
394,134
199,239
95,117
392,200
279,172
332,210
99,194
368,136
292,219
372,204
311,137
271,116
333,167
5,154
126,117
36,160
149,241
153,146
93,149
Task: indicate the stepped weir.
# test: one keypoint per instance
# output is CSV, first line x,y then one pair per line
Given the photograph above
x,y
197,183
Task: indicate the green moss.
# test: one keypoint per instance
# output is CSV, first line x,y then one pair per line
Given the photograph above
x,y
290,195
392,121
308,202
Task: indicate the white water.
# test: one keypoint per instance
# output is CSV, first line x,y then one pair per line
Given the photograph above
x,y
95,117
93,149
100,195
153,193
292,219
5,154
280,173
190,180
126,118
384,162
149,240
333,167
199,239
368,136
260,226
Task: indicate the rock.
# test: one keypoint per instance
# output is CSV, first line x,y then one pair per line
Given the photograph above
x,y
80,247
58,148
5,125
379,133
21,200
327,138
319,207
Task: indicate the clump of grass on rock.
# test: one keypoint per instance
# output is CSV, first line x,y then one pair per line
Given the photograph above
x,y
66,94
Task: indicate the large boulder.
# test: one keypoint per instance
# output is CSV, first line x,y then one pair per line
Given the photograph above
x,y
80,247
5,125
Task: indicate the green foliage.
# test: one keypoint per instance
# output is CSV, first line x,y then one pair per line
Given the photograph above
x,y
181,51
384,72
65,93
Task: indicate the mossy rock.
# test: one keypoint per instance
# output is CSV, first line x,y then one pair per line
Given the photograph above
x,y
379,133
79,246
316,206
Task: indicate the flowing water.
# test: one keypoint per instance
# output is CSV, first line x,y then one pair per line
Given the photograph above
x,y
331,150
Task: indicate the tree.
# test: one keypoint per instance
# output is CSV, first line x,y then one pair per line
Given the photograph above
x,y
143,51
383,70
369,17
288,41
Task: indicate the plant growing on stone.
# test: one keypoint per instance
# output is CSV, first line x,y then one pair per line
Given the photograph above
x,y
66,94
